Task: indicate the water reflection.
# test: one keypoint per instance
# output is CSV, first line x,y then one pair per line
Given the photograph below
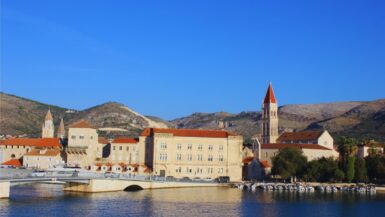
x,y
50,200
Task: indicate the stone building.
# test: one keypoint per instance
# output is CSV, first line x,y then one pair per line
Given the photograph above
x,y
124,150
42,159
365,149
16,148
191,153
83,147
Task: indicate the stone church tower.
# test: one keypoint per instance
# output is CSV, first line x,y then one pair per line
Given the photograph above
x,y
61,131
269,117
48,128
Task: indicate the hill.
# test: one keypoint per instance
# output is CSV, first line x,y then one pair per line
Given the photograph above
x,y
20,116
23,116
357,119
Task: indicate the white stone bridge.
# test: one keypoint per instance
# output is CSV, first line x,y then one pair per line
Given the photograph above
x,y
94,185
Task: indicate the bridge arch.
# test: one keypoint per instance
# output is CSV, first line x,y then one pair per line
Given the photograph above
x,y
133,188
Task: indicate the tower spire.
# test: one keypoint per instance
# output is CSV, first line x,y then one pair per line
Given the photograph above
x,y
270,97
61,130
48,127
48,116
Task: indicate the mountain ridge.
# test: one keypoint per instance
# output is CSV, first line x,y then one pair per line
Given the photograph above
x,y
361,119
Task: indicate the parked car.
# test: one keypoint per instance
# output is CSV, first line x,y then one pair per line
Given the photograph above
x,y
38,173
208,179
185,179
170,178
223,179
111,175
196,179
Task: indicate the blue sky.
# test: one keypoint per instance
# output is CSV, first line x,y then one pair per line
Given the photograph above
x,y
173,58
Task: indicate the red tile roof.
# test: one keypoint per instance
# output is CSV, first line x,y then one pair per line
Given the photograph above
x,y
270,98
126,140
81,124
103,140
265,164
247,160
49,142
188,133
13,162
38,142
51,153
298,136
301,146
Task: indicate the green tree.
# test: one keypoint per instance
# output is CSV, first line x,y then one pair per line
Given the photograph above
x,y
339,175
324,170
375,166
289,162
360,171
350,169
313,171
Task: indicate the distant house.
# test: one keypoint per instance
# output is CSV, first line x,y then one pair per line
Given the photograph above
x,y
322,138
42,159
124,150
83,145
311,151
16,148
15,163
365,149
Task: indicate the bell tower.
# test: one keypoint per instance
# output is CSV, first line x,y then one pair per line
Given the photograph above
x,y
269,117
48,128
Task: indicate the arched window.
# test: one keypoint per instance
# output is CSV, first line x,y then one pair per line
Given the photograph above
x,y
13,155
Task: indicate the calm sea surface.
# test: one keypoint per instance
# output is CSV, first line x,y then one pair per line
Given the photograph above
x,y
49,200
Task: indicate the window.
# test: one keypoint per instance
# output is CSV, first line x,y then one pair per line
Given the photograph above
x,y
163,146
73,137
221,148
200,157
221,158
210,158
91,137
179,146
189,147
113,148
178,157
266,154
127,148
210,147
189,157
120,148
81,137
220,170
200,147
162,157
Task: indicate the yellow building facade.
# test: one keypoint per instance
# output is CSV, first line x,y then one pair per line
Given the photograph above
x,y
204,154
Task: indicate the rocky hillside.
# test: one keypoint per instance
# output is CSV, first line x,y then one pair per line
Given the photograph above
x,y
20,116
23,116
358,119
117,119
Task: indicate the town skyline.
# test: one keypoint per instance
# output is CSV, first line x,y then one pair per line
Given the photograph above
x,y
146,59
